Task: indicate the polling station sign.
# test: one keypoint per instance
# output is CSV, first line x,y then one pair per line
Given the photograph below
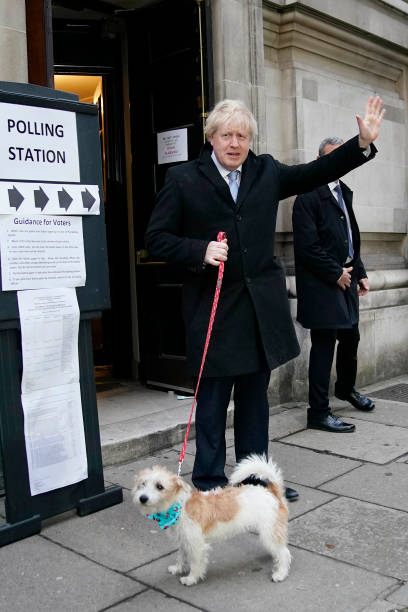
x,y
38,144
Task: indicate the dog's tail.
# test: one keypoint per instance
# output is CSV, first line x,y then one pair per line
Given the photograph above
x,y
258,468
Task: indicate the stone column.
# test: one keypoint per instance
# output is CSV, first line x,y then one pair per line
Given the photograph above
x,y
13,42
238,57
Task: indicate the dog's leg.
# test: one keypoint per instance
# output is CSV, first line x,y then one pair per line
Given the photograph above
x,y
281,565
181,565
280,553
197,560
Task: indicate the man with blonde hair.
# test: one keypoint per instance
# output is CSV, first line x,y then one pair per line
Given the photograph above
x,y
230,189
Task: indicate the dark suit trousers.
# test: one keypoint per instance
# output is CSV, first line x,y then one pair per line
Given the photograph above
x,y
320,363
251,421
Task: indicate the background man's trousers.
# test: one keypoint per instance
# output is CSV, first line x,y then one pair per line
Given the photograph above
x,y
320,363
251,422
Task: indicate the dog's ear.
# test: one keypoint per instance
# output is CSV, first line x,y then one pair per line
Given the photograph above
x,y
181,485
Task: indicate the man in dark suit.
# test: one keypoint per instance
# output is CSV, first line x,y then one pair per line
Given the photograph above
x,y
230,189
330,277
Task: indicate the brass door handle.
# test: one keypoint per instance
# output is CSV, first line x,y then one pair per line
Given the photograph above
x,y
142,256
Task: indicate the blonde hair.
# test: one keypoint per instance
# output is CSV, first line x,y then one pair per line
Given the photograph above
x,y
228,111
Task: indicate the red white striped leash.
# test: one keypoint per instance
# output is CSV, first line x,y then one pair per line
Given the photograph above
x,y
221,236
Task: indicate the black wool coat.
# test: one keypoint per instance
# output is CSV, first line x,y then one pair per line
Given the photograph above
x,y
321,249
253,311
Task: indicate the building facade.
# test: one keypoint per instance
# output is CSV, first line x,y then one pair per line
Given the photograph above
x,y
305,68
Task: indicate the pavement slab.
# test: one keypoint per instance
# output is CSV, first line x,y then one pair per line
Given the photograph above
x,y
118,537
153,601
39,575
124,474
400,596
380,606
384,485
287,421
308,500
373,442
308,467
359,533
242,581
386,412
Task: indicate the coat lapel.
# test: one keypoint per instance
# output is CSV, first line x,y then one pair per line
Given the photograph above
x,y
249,172
210,170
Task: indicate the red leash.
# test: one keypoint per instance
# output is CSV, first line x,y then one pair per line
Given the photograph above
x,y
221,236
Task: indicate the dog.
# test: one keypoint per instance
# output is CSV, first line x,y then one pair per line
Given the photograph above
x,y
202,517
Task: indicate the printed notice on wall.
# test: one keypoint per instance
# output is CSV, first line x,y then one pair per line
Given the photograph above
x,y
172,146
51,399
39,144
54,437
41,252
49,320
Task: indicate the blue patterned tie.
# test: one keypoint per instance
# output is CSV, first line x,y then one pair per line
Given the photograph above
x,y
340,200
233,184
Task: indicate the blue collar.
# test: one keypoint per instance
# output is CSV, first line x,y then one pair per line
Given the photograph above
x,y
168,518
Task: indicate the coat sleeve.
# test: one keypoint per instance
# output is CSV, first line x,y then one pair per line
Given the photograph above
x,y
359,269
164,237
308,248
301,178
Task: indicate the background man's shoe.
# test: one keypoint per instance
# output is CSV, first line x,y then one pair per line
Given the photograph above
x,y
330,423
359,401
291,494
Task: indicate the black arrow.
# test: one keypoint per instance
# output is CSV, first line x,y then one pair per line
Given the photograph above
x,y
87,199
15,197
40,198
64,199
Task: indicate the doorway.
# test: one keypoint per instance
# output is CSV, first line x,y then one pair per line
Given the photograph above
x,y
88,63
149,70
169,93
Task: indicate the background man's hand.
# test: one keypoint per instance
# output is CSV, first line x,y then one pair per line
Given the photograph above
x,y
345,279
369,127
363,286
216,252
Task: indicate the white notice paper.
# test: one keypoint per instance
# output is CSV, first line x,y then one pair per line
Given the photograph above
x,y
55,440
172,146
49,320
39,252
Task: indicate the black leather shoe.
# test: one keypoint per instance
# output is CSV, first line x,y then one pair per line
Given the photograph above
x,y
330,423
291,494
361,402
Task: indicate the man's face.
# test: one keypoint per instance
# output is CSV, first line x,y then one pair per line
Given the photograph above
x,y
231,144
330,147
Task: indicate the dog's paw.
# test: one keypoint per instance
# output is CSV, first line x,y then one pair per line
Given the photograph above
x,y
188,580
175,569
279,575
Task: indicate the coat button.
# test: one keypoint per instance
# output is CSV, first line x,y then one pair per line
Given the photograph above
x,y
346,242
245,250
239,218
342,218
248,280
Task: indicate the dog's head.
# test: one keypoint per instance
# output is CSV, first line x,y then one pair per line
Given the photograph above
x,y
156,489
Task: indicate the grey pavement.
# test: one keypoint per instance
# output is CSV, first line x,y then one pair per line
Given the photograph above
x,y
348,531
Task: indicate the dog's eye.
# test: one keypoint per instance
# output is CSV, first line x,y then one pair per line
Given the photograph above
x,y
159,486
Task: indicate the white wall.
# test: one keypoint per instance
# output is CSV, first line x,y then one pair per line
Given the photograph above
x,y
13,42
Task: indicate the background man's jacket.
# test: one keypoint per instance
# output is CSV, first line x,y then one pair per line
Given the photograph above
x,y
321,249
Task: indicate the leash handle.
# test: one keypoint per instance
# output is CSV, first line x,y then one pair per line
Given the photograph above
x,y
221,236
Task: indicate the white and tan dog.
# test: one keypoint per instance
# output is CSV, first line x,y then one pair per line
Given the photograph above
x,y
203,517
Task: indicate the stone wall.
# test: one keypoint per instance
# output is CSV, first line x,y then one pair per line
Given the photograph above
x,y
306,69
13,43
